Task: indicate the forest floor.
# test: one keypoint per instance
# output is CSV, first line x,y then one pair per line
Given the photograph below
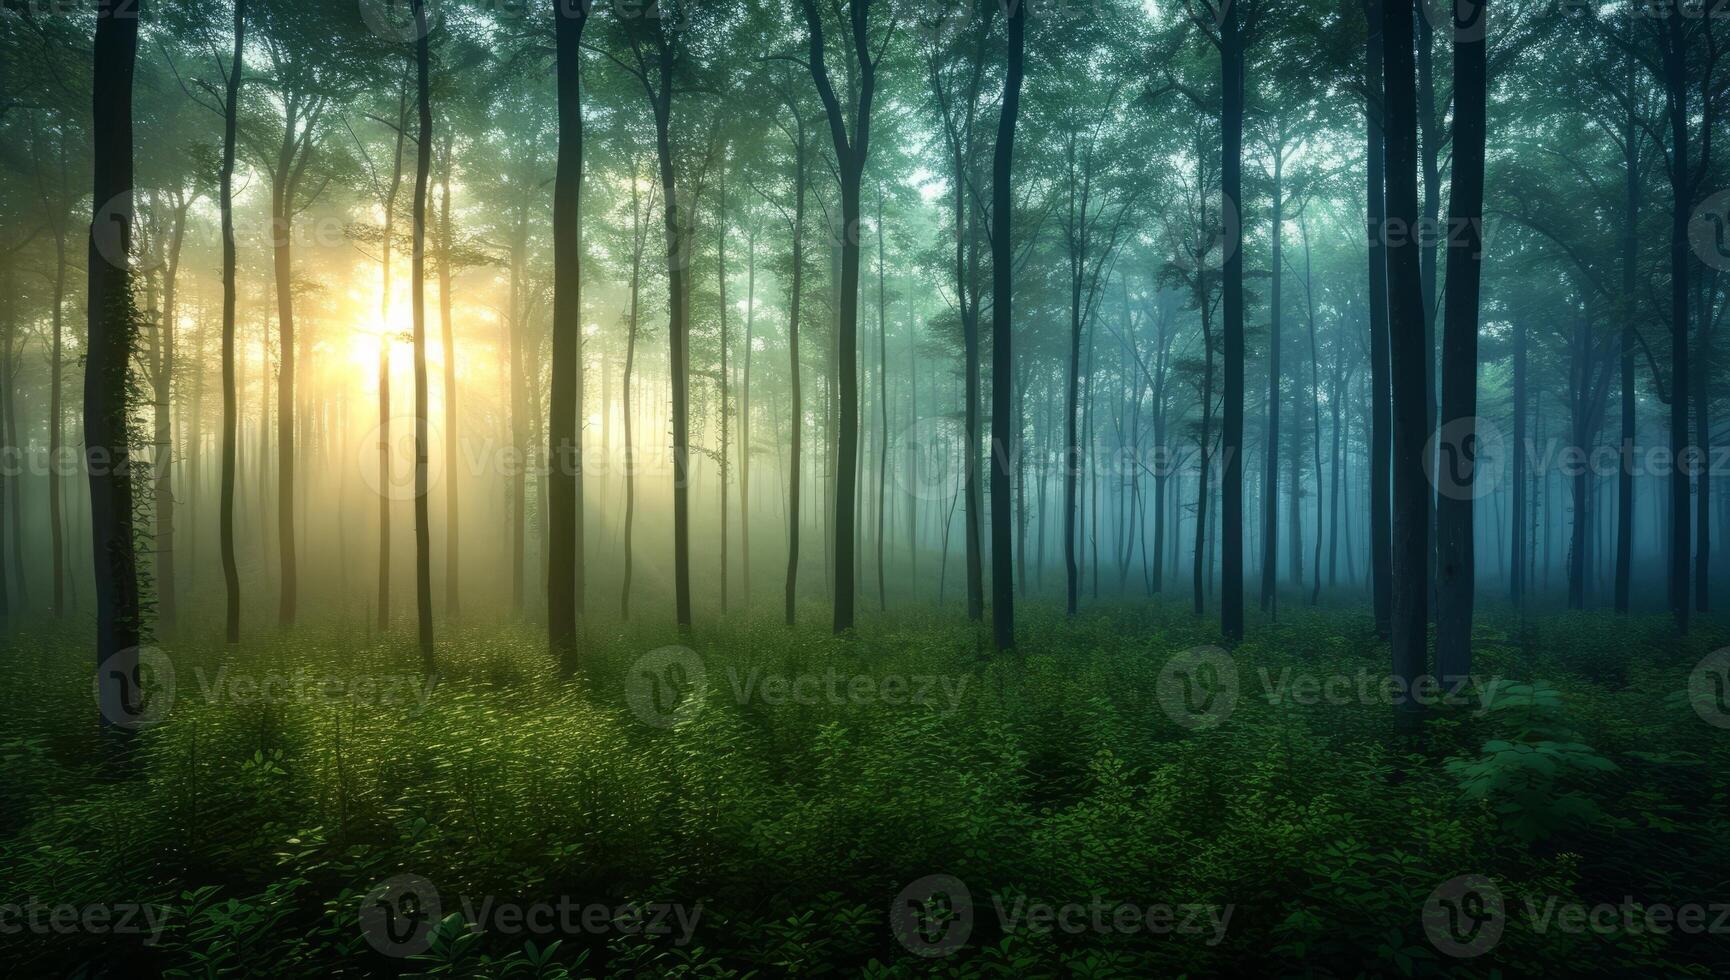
x,y
1108,801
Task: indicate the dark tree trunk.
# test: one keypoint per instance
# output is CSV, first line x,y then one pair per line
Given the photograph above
x,y
1411,500
422,517
1381,532
1003,415
230,400
1456,549
453,566
1231,441
1517,557
796,417
564,425
1270,482
851,151
112,326
1674,45
882,406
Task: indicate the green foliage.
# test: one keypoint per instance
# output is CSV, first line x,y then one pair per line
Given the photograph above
x,y
260,826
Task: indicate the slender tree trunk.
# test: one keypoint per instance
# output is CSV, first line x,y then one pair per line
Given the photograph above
x,y
1231,442
882,406
230,400
1456,547
745,417
1380,485
1003,415
564,424
1411,501
453,564
1270,493
422,517
1674,49
796,413
57,424
112,327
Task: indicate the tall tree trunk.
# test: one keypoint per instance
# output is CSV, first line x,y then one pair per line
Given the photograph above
x,y
282,192
745,417
453,564
1381,531
230,400
721,307
422,516
1674,48
112,327
163,418
1003,415
564,426
1518,557
1456,547
627,410
1411,500
1270,492
796,411
678,336
1231,441
57,424
882,406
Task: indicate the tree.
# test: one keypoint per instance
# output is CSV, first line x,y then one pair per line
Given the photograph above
x,y
1002,362
565,560
1411,507
422,517
851,151
1454,525
107,365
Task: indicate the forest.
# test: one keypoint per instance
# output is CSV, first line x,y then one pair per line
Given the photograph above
x,y
887,488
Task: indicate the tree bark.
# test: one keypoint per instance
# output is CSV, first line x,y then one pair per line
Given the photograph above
x,y
1411,500
1003,415
112,326
564,425
1456,549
